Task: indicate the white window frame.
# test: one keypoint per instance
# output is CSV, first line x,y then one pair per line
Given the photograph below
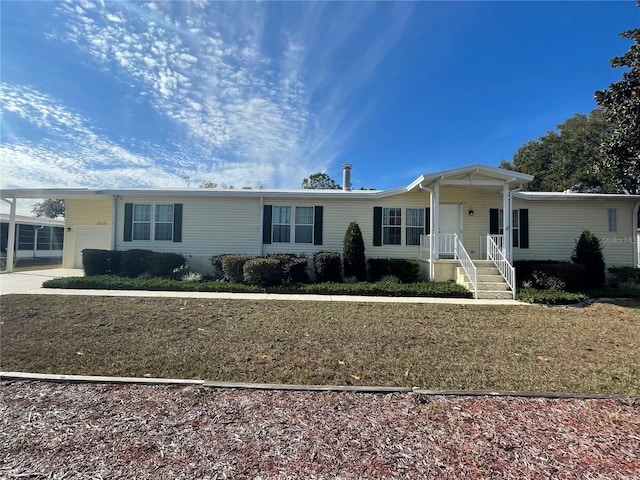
x,y
612,217
391,221
515,228
152,222
410,227
292,224
307,226
278,221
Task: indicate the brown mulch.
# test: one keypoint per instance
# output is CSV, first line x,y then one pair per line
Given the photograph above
x,y
54,431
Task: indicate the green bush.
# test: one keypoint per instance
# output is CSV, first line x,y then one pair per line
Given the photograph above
x,y
624,275
100,262
262,271
233,265
167,265
531,272
328,266
134,263
406,270
353,257
532,295
295,268
588,252
216,263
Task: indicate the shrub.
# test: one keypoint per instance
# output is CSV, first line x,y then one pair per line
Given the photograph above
x,y
166,265
353,253
294,267
328,267
571,274
100,262
192,277
532,295
406,270
216,271
543,281
264,272
134,263
624,275
232,267
588,252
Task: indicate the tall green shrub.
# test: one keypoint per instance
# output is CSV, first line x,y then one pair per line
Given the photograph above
x,y
328,266
588,252
355,264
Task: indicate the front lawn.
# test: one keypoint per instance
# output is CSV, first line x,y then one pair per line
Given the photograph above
x,y
591,349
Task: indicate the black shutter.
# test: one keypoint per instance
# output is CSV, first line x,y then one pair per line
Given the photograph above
x,y
266,223
377,226
128,221
177,222
494,221
317,224
427,221
524,228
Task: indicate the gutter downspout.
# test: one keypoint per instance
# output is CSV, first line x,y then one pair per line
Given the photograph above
x,y
11,236
114,223
431,227
261,247
35,241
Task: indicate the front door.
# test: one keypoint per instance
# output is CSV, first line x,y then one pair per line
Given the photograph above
x,y
449,224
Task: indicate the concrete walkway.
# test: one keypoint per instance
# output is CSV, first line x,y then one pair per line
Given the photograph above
x,y
31,283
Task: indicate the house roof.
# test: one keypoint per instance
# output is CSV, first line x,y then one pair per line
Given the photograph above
x,y
472,175
574,196
24,219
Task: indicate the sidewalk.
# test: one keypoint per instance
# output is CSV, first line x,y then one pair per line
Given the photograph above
x,y
31,283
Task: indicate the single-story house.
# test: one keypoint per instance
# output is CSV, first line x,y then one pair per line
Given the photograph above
x,y
35,237
454,219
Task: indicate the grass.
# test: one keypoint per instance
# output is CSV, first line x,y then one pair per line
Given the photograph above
x,y
591,349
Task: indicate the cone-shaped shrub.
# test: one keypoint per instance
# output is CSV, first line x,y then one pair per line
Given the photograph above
x,y
355,264
588,252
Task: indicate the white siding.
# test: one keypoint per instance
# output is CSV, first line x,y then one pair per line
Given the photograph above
x,y
555,226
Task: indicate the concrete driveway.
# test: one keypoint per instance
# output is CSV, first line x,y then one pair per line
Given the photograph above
x,y
31,281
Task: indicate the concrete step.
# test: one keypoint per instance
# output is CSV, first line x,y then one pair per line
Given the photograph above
x,y
496,295
488,286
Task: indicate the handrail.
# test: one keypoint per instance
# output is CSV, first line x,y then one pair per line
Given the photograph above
x,y
467,265
495,254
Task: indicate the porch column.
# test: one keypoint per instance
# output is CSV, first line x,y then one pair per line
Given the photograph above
x,y
506,221
11,236
435,227
636,234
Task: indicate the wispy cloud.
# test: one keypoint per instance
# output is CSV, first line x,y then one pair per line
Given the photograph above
x,y
262,94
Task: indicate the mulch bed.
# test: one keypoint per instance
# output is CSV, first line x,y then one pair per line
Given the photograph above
x,y
50,430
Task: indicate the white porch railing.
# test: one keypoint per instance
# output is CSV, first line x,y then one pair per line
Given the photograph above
x,y
496,254
469,268
446,245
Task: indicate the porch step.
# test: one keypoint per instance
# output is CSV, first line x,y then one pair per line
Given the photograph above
x,y
491,285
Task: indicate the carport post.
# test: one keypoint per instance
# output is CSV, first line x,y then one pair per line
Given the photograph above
x,y
11,236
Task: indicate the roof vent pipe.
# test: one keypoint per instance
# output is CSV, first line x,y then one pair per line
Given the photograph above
x,y
346,177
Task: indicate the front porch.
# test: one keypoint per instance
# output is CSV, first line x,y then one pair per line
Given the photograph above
x,y
447,259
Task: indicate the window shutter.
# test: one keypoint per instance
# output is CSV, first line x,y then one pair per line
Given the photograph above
x,y
494,221
266,223
377,226
427,221
177,222
524,228
128,221
317,224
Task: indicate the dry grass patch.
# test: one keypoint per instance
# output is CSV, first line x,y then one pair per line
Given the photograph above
x,y
592,349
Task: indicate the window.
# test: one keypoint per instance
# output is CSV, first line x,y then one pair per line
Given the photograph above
x,y
391,226
141,222
163,229
612,213
304,225
515,227
281,224
415,225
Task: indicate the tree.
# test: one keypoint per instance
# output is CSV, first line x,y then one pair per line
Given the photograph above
x,y
320,181
355,264
566,158
208,184
588,252
621,106
49,208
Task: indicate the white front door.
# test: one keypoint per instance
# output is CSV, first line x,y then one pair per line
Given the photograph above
x,y
449,224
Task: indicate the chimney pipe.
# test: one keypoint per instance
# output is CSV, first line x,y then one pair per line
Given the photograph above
x,y
346,177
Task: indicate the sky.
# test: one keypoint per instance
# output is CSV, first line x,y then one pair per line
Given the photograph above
x,y
129,94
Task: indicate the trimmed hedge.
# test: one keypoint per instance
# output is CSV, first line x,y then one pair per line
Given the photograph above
x,y
264,272
134,263
295,268
166,264
532,295
353,257
100,262
588,252
406,270
233,267
328,267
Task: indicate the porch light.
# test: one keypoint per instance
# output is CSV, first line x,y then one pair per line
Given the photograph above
x,y
471,213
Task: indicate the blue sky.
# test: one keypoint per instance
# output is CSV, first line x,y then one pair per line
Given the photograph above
x,y
107,94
